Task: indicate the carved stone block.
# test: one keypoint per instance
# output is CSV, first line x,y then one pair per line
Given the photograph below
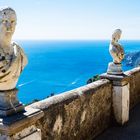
x,y
9,103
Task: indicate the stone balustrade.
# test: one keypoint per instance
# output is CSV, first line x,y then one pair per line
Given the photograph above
x,y
85,112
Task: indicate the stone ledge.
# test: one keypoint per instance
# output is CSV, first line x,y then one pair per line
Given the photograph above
x,y
70,95
15,123
132,71
120,80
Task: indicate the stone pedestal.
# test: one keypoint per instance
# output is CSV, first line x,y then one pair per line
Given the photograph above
x,y
9,103
17,122
21,126
114,69
120,96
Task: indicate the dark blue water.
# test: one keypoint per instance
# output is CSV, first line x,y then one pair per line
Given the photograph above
x,y
58,66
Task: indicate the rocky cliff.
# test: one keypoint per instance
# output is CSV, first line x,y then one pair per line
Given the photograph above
x,y
132,59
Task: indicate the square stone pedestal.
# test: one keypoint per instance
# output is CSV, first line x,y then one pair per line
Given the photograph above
x,y
21,125
9,104
120,96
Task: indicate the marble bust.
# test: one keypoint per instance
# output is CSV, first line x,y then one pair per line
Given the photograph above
x,y
117,52
115,49
12,57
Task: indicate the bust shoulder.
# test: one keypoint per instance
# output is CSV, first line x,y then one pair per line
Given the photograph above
x,y
16,48
15,45
18,51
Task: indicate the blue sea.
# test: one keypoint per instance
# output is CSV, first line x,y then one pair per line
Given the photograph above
x,y
58,66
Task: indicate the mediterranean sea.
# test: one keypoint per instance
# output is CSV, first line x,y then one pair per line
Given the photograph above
x,y
58,66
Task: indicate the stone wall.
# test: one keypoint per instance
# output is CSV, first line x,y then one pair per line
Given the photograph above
x,y
134,81
83,113
79,114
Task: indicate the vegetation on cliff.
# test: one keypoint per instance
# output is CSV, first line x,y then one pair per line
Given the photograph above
x,y
93,79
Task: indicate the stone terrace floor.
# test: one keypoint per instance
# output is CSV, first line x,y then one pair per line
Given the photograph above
x,y
130,131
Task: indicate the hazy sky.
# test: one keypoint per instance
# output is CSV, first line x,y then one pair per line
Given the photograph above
x,y
75,19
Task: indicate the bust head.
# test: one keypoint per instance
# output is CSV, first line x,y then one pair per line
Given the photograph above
x,y
7,21
116,35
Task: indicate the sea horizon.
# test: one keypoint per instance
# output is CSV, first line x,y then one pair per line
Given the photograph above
x,y
72,40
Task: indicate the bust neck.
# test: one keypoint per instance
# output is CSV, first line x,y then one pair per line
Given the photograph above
x,y
5,42
114,41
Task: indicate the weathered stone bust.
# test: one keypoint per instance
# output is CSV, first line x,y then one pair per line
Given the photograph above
x,y
117,53
115,49
12,57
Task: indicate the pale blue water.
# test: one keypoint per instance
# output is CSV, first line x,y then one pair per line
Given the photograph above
x,y
58,66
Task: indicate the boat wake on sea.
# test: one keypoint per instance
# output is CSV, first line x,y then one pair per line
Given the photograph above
x,y
20,85
75,81
70,85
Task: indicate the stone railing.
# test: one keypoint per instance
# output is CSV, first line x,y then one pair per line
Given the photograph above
x,y
134,81
85,112
78,114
